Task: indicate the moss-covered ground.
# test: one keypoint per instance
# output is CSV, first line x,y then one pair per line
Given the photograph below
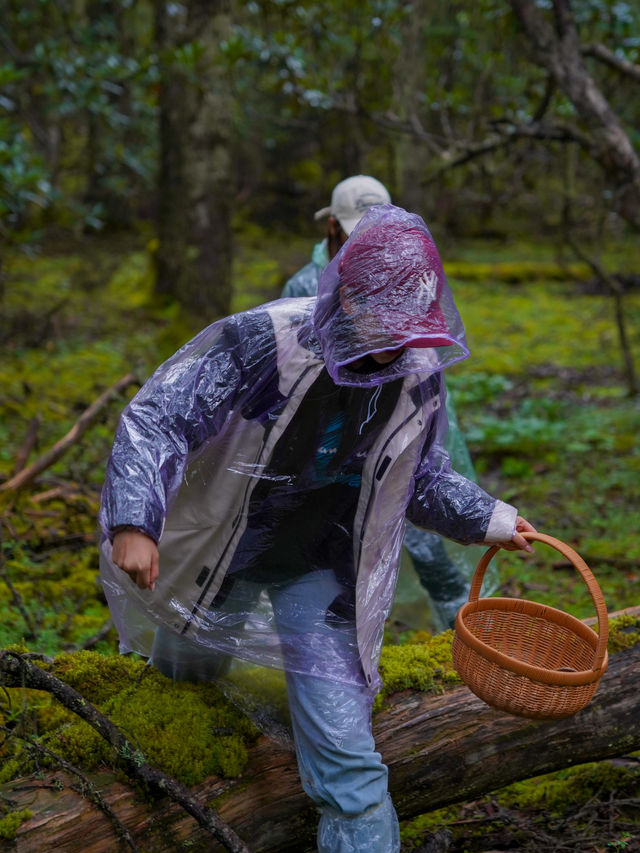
x,y
542,402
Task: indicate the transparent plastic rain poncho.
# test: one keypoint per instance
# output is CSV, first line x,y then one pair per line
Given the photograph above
x,y
273,459
436,580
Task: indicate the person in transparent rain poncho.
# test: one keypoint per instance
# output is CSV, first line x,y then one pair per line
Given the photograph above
x,y
257,491
444,568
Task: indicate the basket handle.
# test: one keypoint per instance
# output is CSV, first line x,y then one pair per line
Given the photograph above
x,y
578,563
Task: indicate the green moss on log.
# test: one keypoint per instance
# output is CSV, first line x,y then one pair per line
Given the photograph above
x,y
10,823
189,731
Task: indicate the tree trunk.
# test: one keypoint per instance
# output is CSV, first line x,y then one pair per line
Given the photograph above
x,y
558,49
440,749
408,85
114,207
195,180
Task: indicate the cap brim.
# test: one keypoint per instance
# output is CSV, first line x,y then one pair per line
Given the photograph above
x,y
322,213
410,331
429,341
348,225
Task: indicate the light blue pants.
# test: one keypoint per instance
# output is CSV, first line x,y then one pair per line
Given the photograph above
x,y
330,710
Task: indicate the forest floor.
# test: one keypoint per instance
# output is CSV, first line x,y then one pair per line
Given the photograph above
x,y
542,403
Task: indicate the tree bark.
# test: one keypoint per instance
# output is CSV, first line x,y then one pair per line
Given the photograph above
x,y
195,180
440,749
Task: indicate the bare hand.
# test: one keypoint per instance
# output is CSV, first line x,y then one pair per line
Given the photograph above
x,y
137,554
518,542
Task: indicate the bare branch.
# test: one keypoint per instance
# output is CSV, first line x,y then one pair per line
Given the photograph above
x,y
549,89
541,36
508,134
440,748
100,635
565,24
412,127
616,291
608,57
560,53
452,160
27,446
557,131
17,598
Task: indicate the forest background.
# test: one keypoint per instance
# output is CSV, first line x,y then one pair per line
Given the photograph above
x,y
159,168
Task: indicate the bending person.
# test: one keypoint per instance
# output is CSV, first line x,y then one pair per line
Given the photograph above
x,y
256,496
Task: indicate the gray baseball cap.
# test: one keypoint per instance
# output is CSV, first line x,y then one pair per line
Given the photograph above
x,y
351,199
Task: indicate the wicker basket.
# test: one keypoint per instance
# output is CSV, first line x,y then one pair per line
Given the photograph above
x,y
526,658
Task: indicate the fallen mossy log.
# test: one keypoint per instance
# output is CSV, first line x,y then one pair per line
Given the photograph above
x,y
20,671
440,749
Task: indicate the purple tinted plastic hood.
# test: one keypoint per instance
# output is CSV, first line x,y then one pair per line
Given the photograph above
x,y
386,291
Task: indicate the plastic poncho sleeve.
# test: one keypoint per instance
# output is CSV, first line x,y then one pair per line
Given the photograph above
x,y
457,508
185,402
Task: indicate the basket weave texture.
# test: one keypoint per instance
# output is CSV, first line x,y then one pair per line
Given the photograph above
x,y
526,658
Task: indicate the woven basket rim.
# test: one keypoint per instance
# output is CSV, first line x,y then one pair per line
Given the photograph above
x,y
534,608
518,667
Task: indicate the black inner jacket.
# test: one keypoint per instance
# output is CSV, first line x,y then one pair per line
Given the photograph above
x,y
302,511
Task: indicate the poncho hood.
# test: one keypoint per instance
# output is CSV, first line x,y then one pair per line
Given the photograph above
x,y
386,290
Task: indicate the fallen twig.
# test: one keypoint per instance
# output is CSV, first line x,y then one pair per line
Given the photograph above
x,y
94,639
61,447
628,611
57,492
27,446
17,598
